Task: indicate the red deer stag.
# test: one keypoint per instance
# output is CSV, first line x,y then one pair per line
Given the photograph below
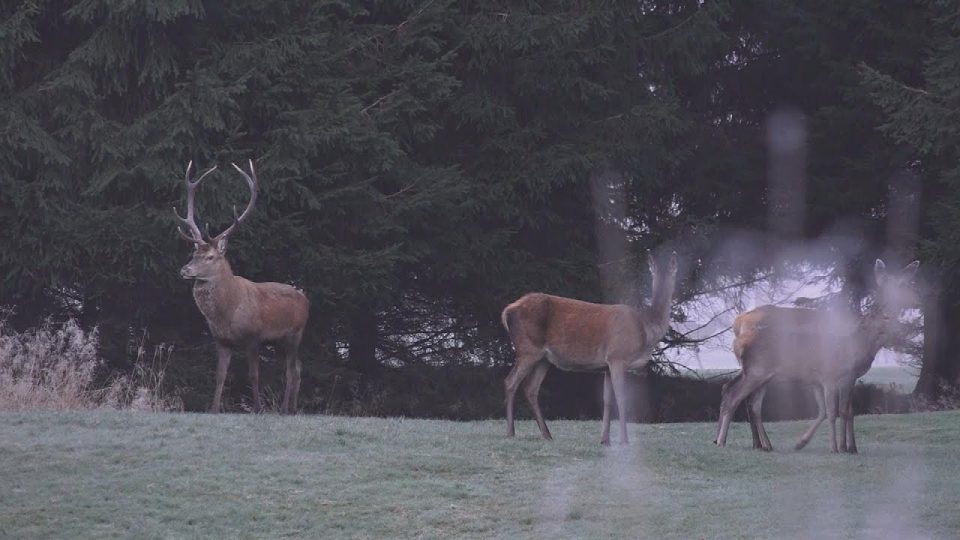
x,y
240,313
580,336
810,345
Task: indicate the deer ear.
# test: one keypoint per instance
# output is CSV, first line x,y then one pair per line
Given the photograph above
x,y
222,245
910,270
880,272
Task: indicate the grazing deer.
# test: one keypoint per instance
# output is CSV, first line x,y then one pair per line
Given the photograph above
x,y
240,313
580,336
811,345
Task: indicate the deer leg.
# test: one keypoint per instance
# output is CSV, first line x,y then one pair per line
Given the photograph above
x,y
842,414
253,373
752,420
223,362
754,407
292,389
849,442
724,391
843,428
531,388
607,407
821,415
726,394
519,372
830,399
295,385
736,393
618,376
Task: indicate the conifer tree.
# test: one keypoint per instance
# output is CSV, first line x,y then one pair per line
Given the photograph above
x,y
922,115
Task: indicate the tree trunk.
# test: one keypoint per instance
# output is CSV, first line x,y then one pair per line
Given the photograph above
x,y
940,346
363,344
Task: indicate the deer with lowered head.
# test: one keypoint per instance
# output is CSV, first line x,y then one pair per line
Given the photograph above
x,y
812,345
242,314
581,336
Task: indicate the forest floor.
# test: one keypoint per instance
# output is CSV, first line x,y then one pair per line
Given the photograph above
x,y
146,475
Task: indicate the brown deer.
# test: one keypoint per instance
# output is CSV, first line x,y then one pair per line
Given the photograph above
x,y
580,336
812,345
242,314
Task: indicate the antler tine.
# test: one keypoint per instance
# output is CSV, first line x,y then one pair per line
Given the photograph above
x,y
190,221
184,235
204,175
252,184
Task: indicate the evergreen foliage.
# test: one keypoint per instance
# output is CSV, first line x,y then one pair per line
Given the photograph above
x,y
425,162
922,115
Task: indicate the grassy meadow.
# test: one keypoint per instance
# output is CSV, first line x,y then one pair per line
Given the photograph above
x,y
115,474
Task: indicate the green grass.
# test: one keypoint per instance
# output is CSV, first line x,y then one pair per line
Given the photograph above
x,y
116,474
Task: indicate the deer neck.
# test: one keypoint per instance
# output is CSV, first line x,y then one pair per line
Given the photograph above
x,y
218,296
872,336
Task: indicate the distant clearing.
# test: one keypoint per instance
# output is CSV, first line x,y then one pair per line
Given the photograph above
x,y
903,377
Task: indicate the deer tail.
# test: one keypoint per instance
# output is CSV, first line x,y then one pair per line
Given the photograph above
x,y
505,316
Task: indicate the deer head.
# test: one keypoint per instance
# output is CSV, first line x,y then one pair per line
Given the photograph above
x,y
896,291
663,277
895,294
209,255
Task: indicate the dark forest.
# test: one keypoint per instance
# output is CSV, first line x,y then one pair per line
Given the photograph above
x,y
424,163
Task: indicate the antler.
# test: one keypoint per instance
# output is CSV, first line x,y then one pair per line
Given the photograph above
x,y
195,235
252,184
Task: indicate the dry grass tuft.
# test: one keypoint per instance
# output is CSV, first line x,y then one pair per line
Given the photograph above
x,y
56,367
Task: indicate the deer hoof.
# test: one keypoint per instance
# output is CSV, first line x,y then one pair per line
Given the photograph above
x,y
605,442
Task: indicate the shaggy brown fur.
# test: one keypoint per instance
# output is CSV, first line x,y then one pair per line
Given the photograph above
x,y
581,336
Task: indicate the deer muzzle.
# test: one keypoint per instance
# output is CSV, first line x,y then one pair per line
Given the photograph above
x,y
187,273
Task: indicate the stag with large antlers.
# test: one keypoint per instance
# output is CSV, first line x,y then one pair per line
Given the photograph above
x,y
580,336
811,345
242,314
